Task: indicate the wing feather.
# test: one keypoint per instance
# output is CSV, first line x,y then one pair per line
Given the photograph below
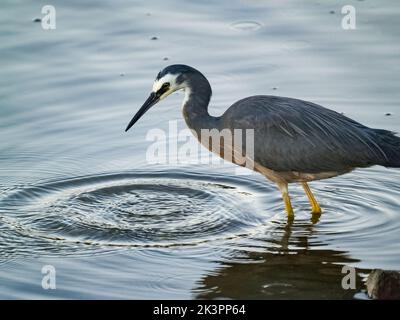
x,y
296,135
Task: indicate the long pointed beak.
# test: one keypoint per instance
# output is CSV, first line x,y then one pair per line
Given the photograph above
x,y
151,101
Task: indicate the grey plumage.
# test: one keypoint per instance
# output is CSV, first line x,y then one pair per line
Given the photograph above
x,y
294,140
296,135
292,134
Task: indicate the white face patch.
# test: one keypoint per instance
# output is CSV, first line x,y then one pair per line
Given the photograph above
x,y
171,78
173,86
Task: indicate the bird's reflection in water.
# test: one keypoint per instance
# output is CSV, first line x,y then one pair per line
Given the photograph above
x,y
289,268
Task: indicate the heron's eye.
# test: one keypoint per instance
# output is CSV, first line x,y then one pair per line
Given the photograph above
x,y
164,88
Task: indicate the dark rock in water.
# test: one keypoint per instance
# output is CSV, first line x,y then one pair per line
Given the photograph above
x,y
383,285
154,38
36,20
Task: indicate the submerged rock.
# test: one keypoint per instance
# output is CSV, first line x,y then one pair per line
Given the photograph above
x,y
383,285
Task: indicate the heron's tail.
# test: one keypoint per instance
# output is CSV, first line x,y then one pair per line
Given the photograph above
x,y
390,145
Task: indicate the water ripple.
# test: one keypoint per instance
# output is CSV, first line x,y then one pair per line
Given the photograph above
x,y
127,210
246,25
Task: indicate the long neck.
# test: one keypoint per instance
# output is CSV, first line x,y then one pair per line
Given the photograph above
x,y
195,105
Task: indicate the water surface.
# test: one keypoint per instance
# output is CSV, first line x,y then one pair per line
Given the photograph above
x,y
76,192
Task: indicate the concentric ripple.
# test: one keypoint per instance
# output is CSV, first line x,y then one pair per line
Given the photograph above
x,y
238,215
129,210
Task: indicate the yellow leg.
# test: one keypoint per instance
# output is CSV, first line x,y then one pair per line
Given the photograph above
x,y
286,199
314,204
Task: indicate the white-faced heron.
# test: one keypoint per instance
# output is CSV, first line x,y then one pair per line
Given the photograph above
x,y
294,140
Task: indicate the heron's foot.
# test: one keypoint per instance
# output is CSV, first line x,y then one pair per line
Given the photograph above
x,y
315,218
315,208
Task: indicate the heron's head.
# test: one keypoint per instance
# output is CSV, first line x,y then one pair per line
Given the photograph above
x,y
168,80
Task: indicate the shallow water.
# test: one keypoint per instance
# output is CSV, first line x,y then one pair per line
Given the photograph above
x,y
78,193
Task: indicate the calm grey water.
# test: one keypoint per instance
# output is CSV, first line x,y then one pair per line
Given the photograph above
x,y
77,193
